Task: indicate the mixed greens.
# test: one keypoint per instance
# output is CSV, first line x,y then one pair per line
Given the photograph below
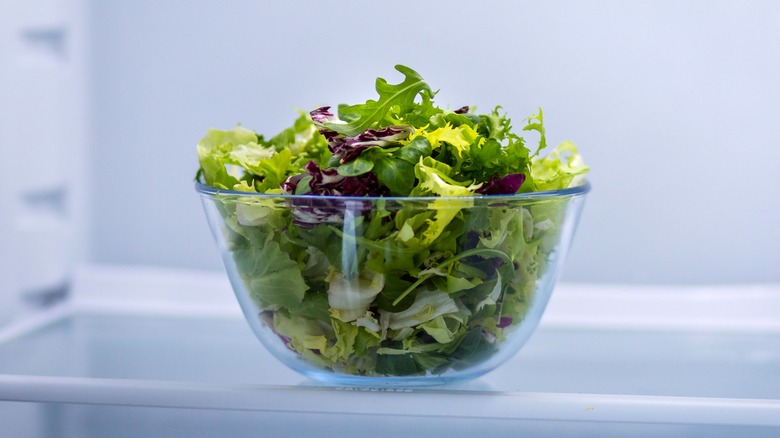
x,y
383,253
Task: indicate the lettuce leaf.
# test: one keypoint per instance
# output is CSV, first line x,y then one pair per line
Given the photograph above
x,y
434,179
427,306
216,152
560,169
271,276
349,299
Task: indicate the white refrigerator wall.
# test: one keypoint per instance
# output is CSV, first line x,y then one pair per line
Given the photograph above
x,y
43,136
674,104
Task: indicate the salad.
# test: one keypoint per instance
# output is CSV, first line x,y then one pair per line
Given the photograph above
x,y
387,242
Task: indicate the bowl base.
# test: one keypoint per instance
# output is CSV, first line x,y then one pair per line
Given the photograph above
x,y
388,382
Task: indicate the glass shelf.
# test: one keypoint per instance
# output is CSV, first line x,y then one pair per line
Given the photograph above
x,y
86,366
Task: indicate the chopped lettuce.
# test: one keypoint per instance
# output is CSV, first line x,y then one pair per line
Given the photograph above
x,y
389,291
349,299
427,306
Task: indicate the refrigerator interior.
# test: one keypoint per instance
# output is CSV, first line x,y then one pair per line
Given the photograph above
x,y
116,318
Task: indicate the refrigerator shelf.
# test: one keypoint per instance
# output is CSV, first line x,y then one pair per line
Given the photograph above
x,y
604,360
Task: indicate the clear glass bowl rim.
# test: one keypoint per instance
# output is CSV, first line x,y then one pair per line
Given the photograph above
x,y
580,189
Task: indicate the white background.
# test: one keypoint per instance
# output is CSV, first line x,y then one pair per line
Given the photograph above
x,y
674,104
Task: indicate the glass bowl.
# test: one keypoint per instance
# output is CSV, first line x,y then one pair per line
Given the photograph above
x,y
388,291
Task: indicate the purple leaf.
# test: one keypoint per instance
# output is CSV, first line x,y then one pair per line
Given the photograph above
x,y
462,110
310,211
347,149
507,185
322,115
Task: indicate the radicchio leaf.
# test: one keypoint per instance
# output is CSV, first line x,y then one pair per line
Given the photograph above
x,y
507,185
504,321
462,110
351,147
346,149
309,211
322,115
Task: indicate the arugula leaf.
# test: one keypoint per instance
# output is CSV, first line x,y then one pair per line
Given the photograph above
x,y
361,117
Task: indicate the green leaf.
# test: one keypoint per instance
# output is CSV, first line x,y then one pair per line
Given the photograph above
x,y
324,239
364,341
459,137
473,347
349,299
450,118
345,339
219,149
274,169
273,278
446,210
422,114
497,126
314,306
304,333
536,123
303,140
394,287
397,365
284,287
439,330
560,169
417,148
457,284
427,306
435,363
304,185
356,167
229,158
434,177
361,117
397,175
